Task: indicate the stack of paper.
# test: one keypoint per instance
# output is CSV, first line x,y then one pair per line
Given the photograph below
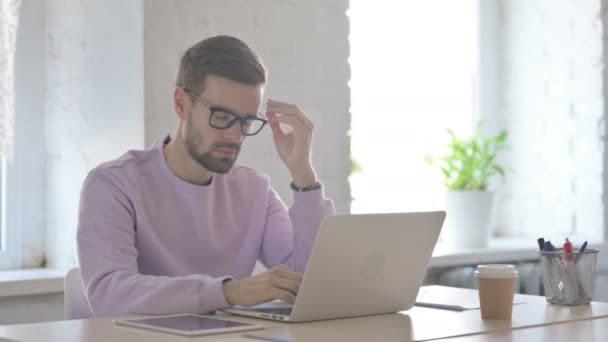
x,y
451,298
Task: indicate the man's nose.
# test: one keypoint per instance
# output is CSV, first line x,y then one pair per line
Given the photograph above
x,y
234,133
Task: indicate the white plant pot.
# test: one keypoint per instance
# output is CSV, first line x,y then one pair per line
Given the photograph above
x,y
469,218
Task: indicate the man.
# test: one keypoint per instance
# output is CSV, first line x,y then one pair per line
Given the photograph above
x,y
179,227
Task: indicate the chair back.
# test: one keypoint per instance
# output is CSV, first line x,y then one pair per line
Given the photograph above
x,y
75,301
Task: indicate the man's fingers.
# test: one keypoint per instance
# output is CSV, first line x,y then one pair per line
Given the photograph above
x,y
291,110
283,295
292,121
294,112
284,272
276,129
293,286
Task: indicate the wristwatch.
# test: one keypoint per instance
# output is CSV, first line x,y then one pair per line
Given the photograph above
x,y
315,186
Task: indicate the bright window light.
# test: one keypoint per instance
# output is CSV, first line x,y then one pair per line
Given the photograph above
x,y
413,65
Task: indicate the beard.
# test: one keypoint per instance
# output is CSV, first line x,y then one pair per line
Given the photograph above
x,y
194,139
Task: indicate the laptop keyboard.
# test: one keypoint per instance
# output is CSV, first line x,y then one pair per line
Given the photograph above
x,y
275,311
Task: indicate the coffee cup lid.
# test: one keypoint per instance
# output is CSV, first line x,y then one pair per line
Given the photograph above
x,y
496,271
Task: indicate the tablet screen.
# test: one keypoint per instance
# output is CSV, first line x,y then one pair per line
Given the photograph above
x,y
188,322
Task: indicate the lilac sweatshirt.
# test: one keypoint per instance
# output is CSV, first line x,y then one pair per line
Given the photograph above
x,y
151,243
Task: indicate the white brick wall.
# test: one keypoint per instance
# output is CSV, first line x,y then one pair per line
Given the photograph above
x,y
549,98
305,47
93,96
92,77
79,86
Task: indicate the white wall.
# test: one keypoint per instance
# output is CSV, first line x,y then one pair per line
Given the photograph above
x,y
94,87
549,98
79,102
550,85
93,106
305,47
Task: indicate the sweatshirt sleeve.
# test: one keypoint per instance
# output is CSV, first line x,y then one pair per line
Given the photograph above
x,y
108,259
290,234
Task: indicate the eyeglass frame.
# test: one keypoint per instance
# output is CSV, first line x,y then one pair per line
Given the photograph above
x,y
237,118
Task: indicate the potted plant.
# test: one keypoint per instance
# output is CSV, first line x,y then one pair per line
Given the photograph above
x,y
467,168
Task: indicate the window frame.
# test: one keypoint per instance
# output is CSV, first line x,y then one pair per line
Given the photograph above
x,y
10,246
485,77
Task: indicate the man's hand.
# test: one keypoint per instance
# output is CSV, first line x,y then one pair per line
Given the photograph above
x,y
277,283
294,147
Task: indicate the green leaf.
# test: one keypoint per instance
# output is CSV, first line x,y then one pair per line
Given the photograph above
x,y
499,169
355,166
446,172
501,137
470,163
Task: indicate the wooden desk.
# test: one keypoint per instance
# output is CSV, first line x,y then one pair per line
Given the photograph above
x,y
416,324
587,330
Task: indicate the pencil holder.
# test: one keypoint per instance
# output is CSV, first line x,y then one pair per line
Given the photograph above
x,y
568,278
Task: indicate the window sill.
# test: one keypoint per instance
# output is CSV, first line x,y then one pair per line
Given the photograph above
x,y
31,281
499,250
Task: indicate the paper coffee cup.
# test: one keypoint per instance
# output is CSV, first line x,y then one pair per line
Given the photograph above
x,y
496,290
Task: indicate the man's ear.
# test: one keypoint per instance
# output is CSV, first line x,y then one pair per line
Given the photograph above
x,y
179,102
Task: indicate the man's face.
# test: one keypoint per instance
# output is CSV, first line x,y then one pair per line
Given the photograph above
x,y
217,149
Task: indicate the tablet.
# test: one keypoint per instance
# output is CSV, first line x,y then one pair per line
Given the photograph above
x,y
189,325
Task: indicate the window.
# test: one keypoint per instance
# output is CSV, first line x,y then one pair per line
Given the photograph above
x,y
2,204
413,65
421,67
10,244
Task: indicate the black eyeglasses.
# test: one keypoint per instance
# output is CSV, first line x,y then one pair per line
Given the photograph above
x,y
221,118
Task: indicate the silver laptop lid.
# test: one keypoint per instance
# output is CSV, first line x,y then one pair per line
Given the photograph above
x,y
367,264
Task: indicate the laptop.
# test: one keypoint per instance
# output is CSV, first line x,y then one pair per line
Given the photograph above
x,y
360,265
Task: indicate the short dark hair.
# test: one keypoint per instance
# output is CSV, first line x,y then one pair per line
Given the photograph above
x,y
222,56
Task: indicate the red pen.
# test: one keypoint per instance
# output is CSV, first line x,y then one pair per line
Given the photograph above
x,y
568,249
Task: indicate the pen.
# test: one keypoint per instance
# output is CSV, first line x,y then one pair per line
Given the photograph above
x,y
565,288
567,274
586,289
580,250
571,272
541,244
583,247
568,249
546,259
